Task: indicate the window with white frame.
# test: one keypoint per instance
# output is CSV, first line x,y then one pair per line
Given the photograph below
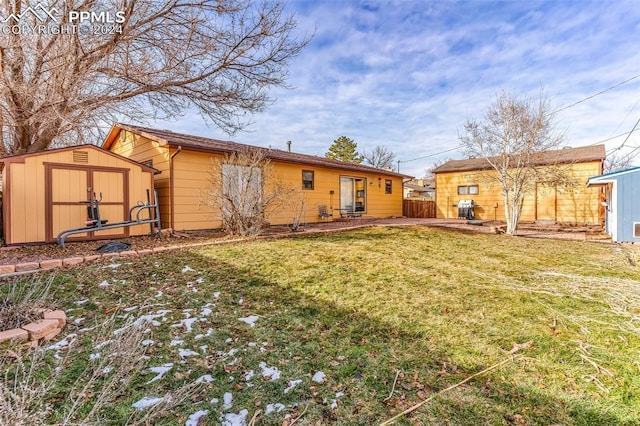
x,y
468,190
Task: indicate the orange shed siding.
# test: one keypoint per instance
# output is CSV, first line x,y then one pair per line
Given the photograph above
x,y
577,204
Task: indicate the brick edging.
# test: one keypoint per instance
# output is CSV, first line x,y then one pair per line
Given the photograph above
x,y
30,335
49,264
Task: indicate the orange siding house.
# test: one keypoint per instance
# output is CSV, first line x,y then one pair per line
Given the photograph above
x,y
185,164
473,179
43,192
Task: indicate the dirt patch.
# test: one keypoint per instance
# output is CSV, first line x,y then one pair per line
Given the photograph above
x,y
38,252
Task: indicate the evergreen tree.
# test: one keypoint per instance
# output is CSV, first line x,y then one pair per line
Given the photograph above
x,y
344,149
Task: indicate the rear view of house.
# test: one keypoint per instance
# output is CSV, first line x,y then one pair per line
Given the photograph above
x,y
571,202
185,165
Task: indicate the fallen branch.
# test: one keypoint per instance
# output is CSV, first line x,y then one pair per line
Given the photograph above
x,y
393,388
255,418
420,404
300,416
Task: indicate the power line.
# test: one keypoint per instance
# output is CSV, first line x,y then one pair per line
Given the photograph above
x,y
597,94
427,156
628,136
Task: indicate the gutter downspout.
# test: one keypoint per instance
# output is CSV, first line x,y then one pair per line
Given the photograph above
x,y
171,188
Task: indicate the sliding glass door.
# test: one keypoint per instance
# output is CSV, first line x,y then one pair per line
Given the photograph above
x,y
353,194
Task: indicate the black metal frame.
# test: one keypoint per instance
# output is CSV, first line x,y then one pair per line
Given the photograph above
x,y
96,223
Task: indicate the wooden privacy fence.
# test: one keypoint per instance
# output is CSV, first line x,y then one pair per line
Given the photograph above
x,y
419,209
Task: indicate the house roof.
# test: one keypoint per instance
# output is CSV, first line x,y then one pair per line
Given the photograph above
x,y
200,143
20,157
418,188
610,177
560,156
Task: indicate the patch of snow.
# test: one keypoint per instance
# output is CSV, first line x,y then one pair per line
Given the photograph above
x,y
252,344
176,342
232,419
183,353
93,357
272,372
108,369
249,375
206,312
187,269
159,293
227,400
146,402
103,344
112,266
160,371
78,321
147,342
251,320
200,280
187,323
195,418
214,400
334,404
216,295
273,408
130,308
339,394
203,348
64,342
319,377
207,378
201,336
104,283
241,301
292,384
228,340
81,302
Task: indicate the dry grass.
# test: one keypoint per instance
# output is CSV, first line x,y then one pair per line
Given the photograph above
x,y
391,316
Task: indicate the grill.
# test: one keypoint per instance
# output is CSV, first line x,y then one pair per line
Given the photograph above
x,y
465,209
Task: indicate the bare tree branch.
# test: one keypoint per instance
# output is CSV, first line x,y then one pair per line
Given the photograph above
x,y
380,157
219,57
513,134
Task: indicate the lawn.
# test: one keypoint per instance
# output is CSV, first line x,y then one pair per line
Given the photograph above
x,y
355,327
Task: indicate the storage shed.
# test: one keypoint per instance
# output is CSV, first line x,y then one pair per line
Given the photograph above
x,y
622,201
44,192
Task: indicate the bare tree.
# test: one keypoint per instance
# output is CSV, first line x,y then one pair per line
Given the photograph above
x,y
617,161
380,157
61,78
514,132
244,191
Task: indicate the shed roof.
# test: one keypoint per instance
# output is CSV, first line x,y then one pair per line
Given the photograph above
x,y
215,145
611,176
560,156
17,158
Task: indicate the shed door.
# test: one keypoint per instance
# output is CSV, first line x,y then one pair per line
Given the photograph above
x,y
68,186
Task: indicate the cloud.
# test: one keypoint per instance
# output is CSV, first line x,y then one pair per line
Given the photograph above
x,y
408,74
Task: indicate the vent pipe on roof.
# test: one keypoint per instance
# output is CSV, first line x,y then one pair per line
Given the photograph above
x,y
289,146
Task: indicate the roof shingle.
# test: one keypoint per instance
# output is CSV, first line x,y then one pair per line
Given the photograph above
x,y
560,156
216,145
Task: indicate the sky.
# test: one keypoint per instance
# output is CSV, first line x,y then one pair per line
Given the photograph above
x,y
408,74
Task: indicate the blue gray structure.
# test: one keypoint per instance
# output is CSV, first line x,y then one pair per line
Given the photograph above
x,y
622,218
